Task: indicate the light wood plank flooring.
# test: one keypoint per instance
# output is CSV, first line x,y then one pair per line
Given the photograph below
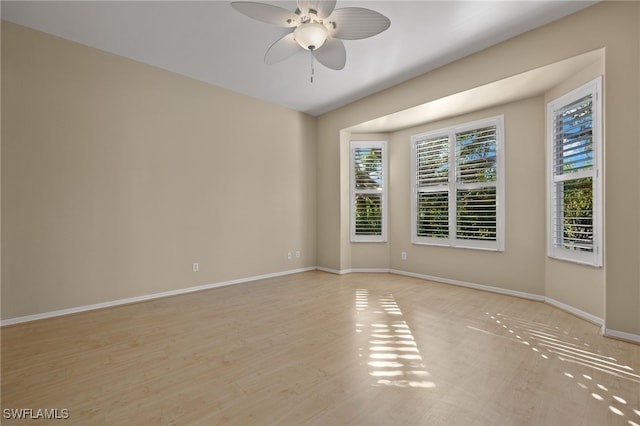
x,y
317,348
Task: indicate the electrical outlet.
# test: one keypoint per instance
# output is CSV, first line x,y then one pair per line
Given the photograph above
x,y
195,267
403,255
289,256
298,254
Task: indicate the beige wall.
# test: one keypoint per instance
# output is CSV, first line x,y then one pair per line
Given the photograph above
x,y
613,26
622,176
117,176
1,25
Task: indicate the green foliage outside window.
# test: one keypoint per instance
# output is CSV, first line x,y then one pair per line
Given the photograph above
x,y
433,214
368,215
577,214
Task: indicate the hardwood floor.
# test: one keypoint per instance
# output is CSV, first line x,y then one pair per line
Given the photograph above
x,y
317,348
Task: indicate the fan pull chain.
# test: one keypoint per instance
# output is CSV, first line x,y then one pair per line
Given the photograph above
x,y
312,70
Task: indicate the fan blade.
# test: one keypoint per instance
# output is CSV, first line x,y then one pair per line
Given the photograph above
x,y
267,13
281,49
332,54
355,23
325,8
322,7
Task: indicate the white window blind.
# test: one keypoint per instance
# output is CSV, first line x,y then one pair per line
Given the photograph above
x,y
457,186
476,172
575,187
368,191
432,183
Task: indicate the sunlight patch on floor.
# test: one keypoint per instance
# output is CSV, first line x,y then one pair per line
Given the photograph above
x,y
392,355
547,341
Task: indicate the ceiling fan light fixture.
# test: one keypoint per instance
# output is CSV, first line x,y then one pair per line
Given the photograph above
x,y
311,35
317,26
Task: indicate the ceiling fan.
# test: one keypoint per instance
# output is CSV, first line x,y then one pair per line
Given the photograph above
x,y
317,27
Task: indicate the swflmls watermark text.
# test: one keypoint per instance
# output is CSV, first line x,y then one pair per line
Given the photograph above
x,y
35,413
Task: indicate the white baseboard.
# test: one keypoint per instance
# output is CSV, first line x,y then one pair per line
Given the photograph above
x,y
475,286
334,271
354,270
635,338
577,312
567,308
146,297
530,296
371,270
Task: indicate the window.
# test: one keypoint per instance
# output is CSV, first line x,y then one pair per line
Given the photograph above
x,y
458,186
574,148
368,191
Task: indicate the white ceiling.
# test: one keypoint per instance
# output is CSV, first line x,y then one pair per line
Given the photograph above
x,y
211,42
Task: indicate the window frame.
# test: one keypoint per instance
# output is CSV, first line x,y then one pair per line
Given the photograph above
x,y
452,186
554,251
382,238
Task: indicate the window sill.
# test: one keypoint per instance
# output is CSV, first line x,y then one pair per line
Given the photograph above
x,y
497,248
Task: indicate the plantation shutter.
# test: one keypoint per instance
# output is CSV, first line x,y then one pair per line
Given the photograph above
x,y
476,178
458,176
432,185
368,191
573,176
573,137
432,162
